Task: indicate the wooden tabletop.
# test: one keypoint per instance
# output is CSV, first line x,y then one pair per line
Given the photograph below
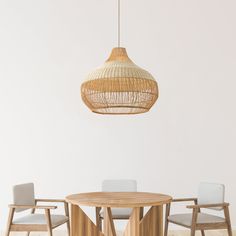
x,y
118,199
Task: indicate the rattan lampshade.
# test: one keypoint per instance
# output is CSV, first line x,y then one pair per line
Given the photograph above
x,y
119,87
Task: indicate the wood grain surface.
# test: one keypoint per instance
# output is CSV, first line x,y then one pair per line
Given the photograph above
x,y
118,199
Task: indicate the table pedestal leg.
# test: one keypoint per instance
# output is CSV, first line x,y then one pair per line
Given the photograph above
x,y
109,228
152,222
133,228
81,225
150,225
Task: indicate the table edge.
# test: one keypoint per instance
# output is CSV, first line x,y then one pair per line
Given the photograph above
x,y
90,204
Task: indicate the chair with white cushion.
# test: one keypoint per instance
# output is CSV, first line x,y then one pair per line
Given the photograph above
x,y
122,185
210,196
24,199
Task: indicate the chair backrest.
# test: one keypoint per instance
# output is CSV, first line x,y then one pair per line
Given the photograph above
x,y
23,194
211,193
119,185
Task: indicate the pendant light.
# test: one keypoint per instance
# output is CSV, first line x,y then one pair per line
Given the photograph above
x,y
119,86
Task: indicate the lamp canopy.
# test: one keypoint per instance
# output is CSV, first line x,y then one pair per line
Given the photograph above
x,y
119,87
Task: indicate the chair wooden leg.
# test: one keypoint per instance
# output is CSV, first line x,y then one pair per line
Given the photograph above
x,y
66,206
98,218
49,223
199,211
68,227
50,232
166,228
9,222
100,224
166,219
194,222
32,212
230,233
202,232
227,218
192,232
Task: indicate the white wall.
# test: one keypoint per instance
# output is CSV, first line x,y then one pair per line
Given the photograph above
x,y
48,136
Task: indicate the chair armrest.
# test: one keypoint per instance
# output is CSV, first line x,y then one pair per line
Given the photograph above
x,y
184,199
54,200
168,205
32,207
208,205
49,200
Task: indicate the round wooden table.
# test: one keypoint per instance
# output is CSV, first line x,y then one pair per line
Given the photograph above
x,y
150,224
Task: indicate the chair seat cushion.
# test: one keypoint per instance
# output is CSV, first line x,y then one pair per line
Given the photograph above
x,y
40,219
119,213
186,219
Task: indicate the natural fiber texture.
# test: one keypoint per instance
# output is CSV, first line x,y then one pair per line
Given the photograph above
x,y
119,87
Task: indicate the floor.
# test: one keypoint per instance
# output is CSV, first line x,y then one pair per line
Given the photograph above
x,y
171,233
208,233
187,233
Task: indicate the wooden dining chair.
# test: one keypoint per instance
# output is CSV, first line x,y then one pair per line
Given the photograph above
x,y
210,196
24,199
120,185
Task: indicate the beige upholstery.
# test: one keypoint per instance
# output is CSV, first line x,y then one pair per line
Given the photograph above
x,y
119,185
23,194
211,193
40,219
119,213
186,219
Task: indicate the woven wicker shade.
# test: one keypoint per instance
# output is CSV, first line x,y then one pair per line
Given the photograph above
x,y
119,87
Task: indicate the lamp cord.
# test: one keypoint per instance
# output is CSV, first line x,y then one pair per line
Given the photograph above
x,y
118,28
